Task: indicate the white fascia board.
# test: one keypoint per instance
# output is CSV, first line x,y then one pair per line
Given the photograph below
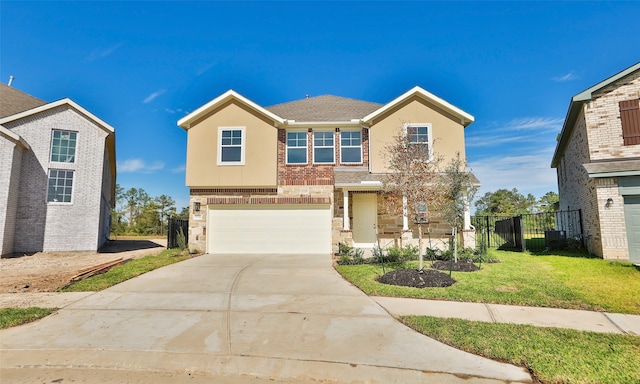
x,y
185,122
333,124
14,137
55,104
465,117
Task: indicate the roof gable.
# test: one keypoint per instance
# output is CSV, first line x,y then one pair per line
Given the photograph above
x,y
326,108
465,118
575,106
194,116
13,101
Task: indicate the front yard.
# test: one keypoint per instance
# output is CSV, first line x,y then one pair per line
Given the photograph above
x,y
524,279
552,355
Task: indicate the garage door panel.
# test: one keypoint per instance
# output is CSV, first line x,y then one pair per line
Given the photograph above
x,y
269,229
632,219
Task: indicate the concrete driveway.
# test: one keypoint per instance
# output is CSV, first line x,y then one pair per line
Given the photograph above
x,y
245,318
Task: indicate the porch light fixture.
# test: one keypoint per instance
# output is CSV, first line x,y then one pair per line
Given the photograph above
x,y
196,206
609,203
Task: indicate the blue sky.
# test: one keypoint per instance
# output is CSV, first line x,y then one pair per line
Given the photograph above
x,y
141,66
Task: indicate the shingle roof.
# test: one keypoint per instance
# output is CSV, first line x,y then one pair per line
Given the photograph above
x,y
351,176
606,167
13,101
324,108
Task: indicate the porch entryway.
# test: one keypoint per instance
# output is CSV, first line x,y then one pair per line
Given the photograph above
x,y
365,219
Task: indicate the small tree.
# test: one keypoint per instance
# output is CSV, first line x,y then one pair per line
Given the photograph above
x,y
412,178
457,190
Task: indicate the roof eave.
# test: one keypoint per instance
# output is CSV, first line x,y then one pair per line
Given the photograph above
x,y
14,137
465,118
339,123
185,122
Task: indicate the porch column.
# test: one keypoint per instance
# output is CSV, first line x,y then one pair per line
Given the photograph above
x,y
345,216
467,211
405,216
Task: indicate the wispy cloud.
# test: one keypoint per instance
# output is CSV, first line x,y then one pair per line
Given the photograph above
x,y
179,169
99,53
205,68
139,166
520,130
174,111
537,123
153,96
568,77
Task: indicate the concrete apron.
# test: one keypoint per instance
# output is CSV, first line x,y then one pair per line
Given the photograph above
x,y
283,317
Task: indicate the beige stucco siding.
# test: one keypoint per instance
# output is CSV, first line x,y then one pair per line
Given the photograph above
x,y
447,131
260,166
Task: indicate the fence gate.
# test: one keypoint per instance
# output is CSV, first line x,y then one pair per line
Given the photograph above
x,y
174,228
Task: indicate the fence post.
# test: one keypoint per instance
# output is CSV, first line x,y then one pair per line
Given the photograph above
x,y
488,233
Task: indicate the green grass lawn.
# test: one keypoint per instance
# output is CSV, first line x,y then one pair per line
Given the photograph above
x,y
553,355
126,271
11,317
524,279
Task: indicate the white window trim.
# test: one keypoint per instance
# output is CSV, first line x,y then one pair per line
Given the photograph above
x,y
361,146
243,145
429,133
75,157
73,189
306,146
333,147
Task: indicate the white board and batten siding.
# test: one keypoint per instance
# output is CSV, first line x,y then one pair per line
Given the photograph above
x,y
269,228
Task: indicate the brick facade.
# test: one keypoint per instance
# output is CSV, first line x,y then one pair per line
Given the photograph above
x,y
10,164
75,226
597,136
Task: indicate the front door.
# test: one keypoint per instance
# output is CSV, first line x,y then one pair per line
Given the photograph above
x,y
632,219
365,217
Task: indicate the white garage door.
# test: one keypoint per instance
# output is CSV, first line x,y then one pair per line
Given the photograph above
x,y
269,229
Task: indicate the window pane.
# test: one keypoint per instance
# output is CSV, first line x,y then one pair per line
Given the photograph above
x,y
231,154
297,156
296,139
60,186
351,155
63,145
323,155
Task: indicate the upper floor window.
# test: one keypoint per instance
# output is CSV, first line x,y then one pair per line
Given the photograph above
x,y
63,146
323,149
296,147
351,147
630,119
232,145
420,134
60,186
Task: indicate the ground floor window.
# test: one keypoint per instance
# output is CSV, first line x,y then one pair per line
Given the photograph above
x,y
60,186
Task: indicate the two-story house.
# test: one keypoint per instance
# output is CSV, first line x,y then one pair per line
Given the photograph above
x,y
597,158
57,172
303,176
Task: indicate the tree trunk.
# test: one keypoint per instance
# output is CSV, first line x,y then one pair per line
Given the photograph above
x,y
420,247
455,244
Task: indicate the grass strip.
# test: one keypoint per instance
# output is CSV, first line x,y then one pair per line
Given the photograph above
x,y
553,355
11,317
126,271
523,279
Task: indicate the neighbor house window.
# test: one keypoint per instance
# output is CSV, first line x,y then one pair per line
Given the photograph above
x,y
63,146
420,134
350,147
232,146
630,119
323,149
296,147
60,186
422,214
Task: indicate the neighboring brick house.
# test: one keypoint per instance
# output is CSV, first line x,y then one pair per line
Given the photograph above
x,y
598,164
306,175
58,171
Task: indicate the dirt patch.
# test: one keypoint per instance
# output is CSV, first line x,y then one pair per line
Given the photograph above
x,y
48,271
460,266
417,279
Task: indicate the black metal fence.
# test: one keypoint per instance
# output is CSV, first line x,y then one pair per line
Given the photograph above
x,y
534,232
175,227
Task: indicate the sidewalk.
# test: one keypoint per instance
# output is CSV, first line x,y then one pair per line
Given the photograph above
x,y
493,313
498,313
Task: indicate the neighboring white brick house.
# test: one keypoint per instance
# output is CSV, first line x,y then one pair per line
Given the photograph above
x,y
598,164
58,161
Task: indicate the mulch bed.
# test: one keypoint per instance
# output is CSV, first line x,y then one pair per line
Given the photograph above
x,y
460,266
417,279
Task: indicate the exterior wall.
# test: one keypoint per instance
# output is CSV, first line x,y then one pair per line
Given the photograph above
x,y
603,120
576,189
42,226
260,168
10,164
106,201
447,132
310,173
613,229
